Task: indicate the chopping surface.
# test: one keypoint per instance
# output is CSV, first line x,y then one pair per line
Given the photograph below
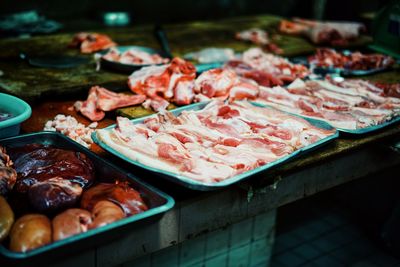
x,y
29,82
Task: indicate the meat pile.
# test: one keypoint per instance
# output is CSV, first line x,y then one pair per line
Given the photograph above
x,y
350,104
101,100
326,57
156,86
91,42
258,37
266,69
52,178
212,144
45,181
134,57
8,175
224,84
70,127
170,82
332,33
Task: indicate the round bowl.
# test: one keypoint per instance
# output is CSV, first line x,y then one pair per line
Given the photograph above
x,y
20,111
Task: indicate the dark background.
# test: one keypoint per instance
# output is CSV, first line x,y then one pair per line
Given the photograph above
x,y
73,13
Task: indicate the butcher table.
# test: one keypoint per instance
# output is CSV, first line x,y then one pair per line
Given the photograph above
x,y
234,225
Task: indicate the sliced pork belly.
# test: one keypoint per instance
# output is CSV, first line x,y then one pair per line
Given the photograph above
x,y
350,104
212,144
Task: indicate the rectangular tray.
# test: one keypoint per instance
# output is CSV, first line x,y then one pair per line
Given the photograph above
x,y
360,131
196,185
157,201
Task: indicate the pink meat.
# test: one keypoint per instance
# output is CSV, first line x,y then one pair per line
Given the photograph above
x,y
217,142
100,100
88,108
108,100
161,84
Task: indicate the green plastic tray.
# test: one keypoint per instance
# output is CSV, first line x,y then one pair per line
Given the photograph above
x,y
157,201
20,110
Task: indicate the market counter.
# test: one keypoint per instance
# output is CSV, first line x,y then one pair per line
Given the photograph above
x,y
214,227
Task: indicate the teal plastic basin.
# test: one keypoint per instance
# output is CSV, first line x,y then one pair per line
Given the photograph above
x,y
20,111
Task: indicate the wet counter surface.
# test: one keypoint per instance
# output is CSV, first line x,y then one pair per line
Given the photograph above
x,y
196,214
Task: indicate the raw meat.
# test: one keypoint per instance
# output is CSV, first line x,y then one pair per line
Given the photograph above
x,y
134,57
224,84
55,176
8,176
212,144
91,42
120,193
326,57
172,82
100,100
70,127
331,33
350,104
266,69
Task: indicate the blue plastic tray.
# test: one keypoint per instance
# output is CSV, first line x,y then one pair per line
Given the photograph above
x,y
157,201
196,185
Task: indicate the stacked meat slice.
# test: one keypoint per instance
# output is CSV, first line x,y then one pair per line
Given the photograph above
x,y
91,42
134,57
326,57
331,33
100,100
350,104
223,84
173,82
266,69
212,144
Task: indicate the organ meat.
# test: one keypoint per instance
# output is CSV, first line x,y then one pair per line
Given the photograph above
x,y
53,178
91,42
329,32
172,82
105,212
100,100
29,232
8,175
54,193
215,143
70,222
120,193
